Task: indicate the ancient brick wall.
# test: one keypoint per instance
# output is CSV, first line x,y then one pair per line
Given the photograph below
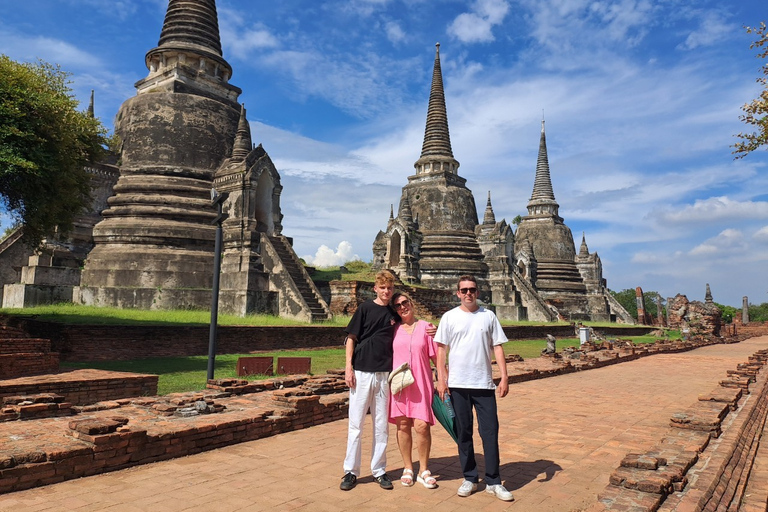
x,y
110,342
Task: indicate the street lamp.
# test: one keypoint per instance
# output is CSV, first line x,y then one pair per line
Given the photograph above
x,y
217,200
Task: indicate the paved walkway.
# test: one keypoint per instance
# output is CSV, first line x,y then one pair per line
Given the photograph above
x,y
561,438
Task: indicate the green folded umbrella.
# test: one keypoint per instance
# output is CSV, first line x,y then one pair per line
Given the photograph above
x,y
442,416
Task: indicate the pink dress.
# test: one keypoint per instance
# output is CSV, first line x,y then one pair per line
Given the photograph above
x,y
414,401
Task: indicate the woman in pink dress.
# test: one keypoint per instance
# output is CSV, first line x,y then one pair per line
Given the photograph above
x,y
411,408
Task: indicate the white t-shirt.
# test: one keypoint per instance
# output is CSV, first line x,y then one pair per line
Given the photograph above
x,y
470,338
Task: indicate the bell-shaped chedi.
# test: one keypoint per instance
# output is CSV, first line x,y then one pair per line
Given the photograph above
x,y
183,134
549,238
154,246
546,257
444,246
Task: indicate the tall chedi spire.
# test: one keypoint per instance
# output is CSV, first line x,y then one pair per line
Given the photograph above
x,y
436,152
542,200
437,139
191,24
189,48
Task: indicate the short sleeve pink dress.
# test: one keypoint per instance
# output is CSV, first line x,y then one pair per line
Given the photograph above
x,y
417,349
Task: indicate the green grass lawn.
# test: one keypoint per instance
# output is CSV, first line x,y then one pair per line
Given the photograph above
x,y
91,315
181,374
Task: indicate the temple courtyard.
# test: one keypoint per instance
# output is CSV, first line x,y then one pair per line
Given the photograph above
x,y
563,440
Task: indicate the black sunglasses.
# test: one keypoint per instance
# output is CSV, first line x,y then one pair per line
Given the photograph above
x,y
402,304
465,291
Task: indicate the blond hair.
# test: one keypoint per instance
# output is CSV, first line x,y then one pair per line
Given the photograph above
x,y
384,278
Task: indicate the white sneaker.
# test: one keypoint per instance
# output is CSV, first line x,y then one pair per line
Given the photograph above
x,y
499,491
467,488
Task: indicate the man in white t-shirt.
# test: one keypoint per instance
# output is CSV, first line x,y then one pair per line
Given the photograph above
x,y
470,334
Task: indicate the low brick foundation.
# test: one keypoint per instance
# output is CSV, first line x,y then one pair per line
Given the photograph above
x,y
82,387
705,462
129,432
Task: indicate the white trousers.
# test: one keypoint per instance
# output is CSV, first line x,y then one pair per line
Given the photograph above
x,y
371,391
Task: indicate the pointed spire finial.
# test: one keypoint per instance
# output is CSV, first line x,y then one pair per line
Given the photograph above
x,y
404,213
391,212
242,144
708,297
583,250
489,217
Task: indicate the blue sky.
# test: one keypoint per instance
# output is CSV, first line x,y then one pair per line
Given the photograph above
x,y
641,100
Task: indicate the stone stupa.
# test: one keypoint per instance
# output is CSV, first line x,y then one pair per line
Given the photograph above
x,y
183,134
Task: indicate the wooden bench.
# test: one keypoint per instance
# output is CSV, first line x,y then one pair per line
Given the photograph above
x,y
258,365
293,365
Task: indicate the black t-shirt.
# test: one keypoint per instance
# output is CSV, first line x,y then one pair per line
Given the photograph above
x,y
374,327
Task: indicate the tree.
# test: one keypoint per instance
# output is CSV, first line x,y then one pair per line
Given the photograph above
x,y
728,312
45,144
758,313
628,299
756,111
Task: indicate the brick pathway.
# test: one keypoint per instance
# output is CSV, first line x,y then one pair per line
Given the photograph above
x,y
561,438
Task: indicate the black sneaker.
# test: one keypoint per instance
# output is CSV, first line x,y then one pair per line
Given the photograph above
x,y
348,482
385,482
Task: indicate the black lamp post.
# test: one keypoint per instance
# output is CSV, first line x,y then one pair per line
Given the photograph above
x,y
216,200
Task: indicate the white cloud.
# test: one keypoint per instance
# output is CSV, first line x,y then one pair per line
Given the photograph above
x,y
726,242
710,32
715,209
477,26
21,47
327,257
394,32
761,235
123,9
240,39
625,20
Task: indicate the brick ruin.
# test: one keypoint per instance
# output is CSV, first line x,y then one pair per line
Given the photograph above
x,y
698,318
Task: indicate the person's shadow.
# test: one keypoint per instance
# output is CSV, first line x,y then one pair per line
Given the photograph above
x,y
518,474
514,475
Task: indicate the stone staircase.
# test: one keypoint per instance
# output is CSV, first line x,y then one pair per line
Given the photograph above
x,y
22,356
301,279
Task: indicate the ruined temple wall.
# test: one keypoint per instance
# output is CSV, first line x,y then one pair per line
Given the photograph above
x,y
698,317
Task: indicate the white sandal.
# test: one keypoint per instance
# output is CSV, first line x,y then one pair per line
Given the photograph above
x,y
407,478
426,479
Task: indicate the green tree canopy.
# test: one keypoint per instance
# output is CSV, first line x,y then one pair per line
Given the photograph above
x,y
728,312
628,299
45,142
756,111
758,312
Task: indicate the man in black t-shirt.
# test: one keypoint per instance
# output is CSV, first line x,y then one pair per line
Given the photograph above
x,y
368,363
